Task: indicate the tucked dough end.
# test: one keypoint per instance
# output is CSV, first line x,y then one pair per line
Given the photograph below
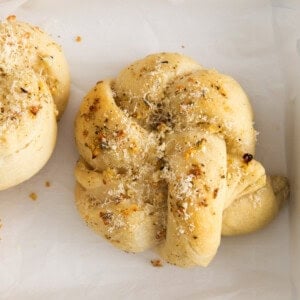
x,y
254,211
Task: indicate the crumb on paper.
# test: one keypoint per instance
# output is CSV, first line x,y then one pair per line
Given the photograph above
x,y
182,46
47,183
78,39
11,18
156,263
33,196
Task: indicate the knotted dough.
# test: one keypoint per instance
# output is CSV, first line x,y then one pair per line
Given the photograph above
x,y
166,159
34,89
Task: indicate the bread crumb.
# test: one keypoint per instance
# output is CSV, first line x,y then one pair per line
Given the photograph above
x,y
47,184
182,46
34,110
156,263
33,196
11,18
78,39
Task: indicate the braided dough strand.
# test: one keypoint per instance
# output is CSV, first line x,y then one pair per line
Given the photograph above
x,y
27,126
34,89
255,210
197,190
27,46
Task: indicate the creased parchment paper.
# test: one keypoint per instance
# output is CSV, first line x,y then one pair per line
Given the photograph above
x,y
47,252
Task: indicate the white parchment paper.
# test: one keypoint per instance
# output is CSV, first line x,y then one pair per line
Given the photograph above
x,y
287,34
47,252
